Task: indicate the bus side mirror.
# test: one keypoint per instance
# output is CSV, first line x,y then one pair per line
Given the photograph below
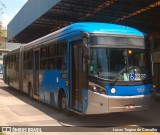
x,y
86,47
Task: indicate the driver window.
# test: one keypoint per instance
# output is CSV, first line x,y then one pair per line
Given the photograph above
x,y
141,60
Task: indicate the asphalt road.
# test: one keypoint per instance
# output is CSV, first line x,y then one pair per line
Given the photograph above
x,y
17,109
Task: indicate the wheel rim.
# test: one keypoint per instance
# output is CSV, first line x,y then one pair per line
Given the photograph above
x,y
64,103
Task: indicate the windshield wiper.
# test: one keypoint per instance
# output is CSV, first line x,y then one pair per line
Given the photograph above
x,y
115,80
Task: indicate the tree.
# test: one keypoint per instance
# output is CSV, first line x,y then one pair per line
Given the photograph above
x,y
2,6
2,37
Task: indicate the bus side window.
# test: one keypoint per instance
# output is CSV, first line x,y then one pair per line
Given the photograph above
x,y
61,55
28,57
44,58
52,52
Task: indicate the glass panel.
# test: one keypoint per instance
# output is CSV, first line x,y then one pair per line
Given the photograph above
x,y
52,50
44,52
106,63
61,63
140,60
62,48
121,64
77,75
52,63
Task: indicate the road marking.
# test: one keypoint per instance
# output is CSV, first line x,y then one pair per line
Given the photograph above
x,y
147,133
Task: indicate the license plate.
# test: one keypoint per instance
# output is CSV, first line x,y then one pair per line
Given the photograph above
x,y
130,106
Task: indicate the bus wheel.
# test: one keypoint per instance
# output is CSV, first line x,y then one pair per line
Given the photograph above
x,y
64,105
64,102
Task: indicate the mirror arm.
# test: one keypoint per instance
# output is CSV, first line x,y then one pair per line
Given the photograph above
x,y
86,47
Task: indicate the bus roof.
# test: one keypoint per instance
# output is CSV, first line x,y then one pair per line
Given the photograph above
x,y
90,27
106,28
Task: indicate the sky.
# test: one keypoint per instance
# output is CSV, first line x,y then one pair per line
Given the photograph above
x,y
11,8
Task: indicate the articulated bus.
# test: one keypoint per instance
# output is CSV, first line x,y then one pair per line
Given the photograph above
x,y
87,68
1,68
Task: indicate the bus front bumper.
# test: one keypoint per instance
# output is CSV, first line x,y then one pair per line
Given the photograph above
x,y
101,104
129,103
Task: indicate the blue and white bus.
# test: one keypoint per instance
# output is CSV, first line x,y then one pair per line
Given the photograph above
x,y
88,68
1,68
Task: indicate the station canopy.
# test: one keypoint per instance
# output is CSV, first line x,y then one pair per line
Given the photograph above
x,y
40,17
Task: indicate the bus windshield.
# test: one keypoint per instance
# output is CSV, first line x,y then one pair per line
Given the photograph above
x,y
120,64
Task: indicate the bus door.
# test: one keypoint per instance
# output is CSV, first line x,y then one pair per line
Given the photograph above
x,y
76,84
36,64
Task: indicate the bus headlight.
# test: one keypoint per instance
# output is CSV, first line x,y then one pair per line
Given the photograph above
x,y
113,90
96,88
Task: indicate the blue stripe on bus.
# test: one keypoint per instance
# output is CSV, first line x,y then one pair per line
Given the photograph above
x,y
129,90
51,82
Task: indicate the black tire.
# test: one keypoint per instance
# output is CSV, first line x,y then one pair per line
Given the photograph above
x,y
63,104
